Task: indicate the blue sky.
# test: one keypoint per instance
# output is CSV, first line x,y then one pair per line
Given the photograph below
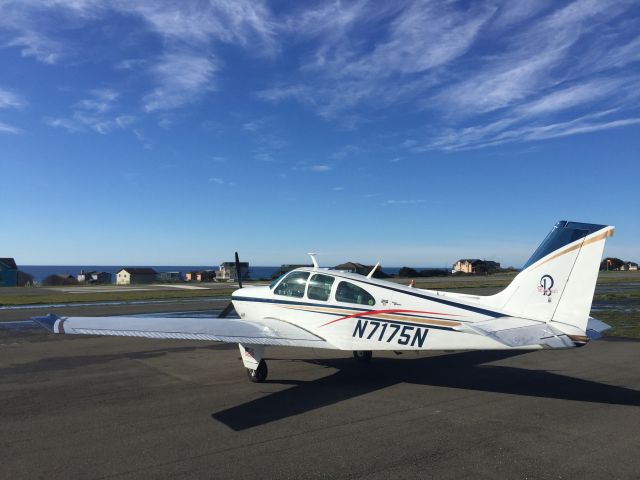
x,y
415,133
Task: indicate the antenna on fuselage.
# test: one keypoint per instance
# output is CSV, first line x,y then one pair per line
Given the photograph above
x,y
314,260
373,270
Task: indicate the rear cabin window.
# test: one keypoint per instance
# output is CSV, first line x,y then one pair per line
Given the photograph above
x,y
293,285
320,287
350,293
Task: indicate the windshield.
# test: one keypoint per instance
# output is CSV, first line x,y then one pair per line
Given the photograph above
x,y
275,282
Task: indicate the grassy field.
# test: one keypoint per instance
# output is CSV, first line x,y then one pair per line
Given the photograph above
x,y
457,282
47,297
625,323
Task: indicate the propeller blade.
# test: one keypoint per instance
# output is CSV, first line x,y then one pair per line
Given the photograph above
x,y
238,272
227,310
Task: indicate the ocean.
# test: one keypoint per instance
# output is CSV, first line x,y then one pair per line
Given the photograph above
x,y
40,272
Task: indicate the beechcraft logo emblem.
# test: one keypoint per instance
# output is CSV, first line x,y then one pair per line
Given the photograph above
x,y
546,285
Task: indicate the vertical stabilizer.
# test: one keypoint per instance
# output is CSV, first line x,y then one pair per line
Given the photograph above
x,y
557,283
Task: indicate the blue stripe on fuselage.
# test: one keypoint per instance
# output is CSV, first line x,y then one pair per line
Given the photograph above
x,y
375,319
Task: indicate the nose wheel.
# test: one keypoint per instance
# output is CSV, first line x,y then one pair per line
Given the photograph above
x,y
258,375
362,356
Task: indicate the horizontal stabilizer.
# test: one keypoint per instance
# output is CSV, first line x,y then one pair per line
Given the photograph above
x,y
521,332
595,328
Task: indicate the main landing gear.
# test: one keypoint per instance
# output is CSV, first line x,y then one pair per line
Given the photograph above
x,y
362,356
258,375
257,370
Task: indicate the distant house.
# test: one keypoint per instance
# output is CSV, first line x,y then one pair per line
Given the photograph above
x,y
632,266
131,275
8,272
94,277
354,267
227,271
200,276
475,265
170,276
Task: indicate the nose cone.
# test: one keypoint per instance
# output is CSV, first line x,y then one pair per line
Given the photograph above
x,y
251,292
237,293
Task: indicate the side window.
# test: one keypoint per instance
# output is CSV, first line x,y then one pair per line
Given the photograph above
x,y
320,287
350,293
293,285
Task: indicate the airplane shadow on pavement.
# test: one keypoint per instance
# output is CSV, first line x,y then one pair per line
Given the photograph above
x,y
459,370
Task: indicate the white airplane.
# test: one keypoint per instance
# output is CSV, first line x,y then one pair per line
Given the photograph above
x,y
546,305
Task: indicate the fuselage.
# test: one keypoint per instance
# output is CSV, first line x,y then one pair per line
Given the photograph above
x,y
355,312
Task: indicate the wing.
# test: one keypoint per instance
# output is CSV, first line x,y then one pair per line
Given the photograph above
x,y
262,332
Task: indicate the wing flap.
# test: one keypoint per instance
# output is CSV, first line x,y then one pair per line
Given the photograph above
x,y
261,332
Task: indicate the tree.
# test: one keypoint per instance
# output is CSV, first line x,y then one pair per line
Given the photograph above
x,y
56,280
611,263
24,279
406,272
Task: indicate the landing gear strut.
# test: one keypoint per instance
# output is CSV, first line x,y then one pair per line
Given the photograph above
x,y
258,375
252,358
362,356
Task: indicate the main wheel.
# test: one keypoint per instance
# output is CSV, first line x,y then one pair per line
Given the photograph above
x,y
363,356
258,375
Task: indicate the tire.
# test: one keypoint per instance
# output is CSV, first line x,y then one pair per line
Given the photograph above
x,y
258,375
362,356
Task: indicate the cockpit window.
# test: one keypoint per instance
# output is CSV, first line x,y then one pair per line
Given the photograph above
x,y
293,285
350,293
320,287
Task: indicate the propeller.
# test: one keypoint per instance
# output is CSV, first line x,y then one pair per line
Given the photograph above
x,y
227,310
238,272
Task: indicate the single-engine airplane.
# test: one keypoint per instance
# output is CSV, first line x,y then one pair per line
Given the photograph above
x,y
546,305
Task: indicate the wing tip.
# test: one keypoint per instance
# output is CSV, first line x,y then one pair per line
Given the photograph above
x,y
48,321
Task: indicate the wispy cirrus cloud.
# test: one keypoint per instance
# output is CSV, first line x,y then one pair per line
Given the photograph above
x,y
6,128
190,33
346,74
489,72
10,99
476,70
221,181
392,202
181,78
96,112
